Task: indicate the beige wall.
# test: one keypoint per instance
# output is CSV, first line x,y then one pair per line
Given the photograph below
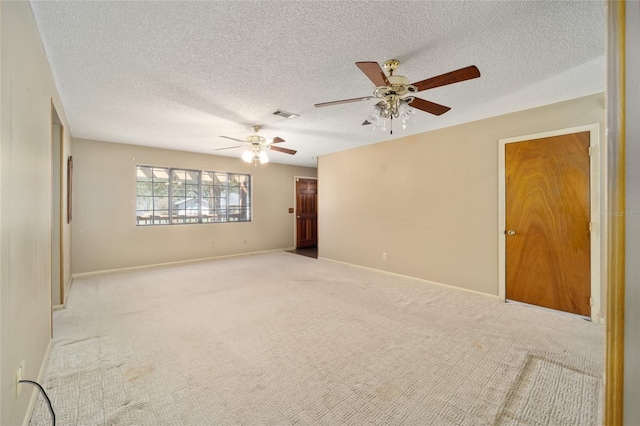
x,y
430,201
27,92
105,235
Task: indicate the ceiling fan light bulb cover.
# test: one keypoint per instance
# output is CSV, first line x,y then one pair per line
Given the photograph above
x,y
374,115
382,124
247,156
404,110
263,157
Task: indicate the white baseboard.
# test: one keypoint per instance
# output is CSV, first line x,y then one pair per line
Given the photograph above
x,y
178,262
36,391
555,311
453,287
66,293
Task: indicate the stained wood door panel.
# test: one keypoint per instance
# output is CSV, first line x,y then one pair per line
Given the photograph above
x,y
548,207
306,213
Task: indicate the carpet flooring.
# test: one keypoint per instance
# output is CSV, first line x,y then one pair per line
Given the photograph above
x,y
282,339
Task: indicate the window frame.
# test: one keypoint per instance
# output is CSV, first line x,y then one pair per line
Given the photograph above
x,y
148,216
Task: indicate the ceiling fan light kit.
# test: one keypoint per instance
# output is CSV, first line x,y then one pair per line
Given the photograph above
x,y
255,157
383,112
391,91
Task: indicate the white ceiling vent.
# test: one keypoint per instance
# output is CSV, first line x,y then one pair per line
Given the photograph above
x,y
285,114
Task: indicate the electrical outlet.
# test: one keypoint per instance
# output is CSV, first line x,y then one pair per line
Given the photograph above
x,y
384,256
245,241
212,244
19,375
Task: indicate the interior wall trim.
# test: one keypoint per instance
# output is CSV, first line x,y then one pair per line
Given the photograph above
x,y
614,351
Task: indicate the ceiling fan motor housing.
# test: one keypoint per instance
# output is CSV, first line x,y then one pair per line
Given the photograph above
x,y
398,86
256,139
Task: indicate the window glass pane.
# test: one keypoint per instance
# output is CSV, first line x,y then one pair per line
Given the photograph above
x,y
161,217
192,177
144,173
234,203
220,178
185,196
177,190
239,202
160,173
161,204
207,196
144,181
152,190
219,200
144,204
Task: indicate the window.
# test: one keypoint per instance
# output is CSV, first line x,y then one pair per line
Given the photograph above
x,y
172,196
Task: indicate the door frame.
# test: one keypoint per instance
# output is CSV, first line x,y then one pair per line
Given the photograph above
x,y
597,314
58,174
295,206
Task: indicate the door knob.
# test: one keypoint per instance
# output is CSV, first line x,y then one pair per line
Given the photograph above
x,y
298,217
511,232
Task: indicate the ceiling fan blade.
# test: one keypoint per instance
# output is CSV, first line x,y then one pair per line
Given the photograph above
x,y
277,140
230,147
285,150
373,70
233,139
430,107
344,101
449,78
366,122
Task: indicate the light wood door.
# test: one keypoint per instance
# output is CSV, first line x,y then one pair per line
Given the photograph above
x,y
547,222
306,213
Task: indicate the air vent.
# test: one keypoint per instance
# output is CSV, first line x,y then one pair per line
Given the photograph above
x,y
285,114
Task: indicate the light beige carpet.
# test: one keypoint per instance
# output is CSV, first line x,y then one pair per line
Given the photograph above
x,y
281,339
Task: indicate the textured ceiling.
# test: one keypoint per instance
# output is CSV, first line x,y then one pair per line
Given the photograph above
x,y
179,74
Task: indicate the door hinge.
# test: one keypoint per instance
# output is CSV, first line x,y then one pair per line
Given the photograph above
x,y
590,151
590,226
591,301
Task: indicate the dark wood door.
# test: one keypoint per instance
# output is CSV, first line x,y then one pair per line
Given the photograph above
x,y
306,213
547,222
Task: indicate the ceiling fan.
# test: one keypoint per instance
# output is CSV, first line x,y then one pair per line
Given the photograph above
x,y
258,145
391,91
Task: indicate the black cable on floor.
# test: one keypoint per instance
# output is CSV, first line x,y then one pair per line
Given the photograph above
x,y
53,415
